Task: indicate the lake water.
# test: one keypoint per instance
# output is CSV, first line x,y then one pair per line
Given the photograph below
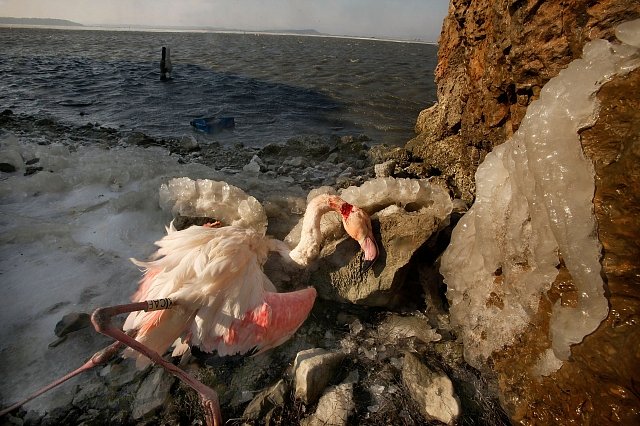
x,y
276,87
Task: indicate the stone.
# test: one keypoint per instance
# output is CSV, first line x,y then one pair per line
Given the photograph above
x,y
153,393
313,370
91,394
120,374
71,322
399,235
385,169
266,401
431,389
334,407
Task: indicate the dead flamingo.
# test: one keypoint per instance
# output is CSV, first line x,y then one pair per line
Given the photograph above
x,y
205,287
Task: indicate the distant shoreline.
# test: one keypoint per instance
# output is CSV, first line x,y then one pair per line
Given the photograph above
x,y
4,20
61,24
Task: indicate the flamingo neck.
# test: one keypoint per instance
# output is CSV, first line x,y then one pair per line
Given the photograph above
x,y
309,246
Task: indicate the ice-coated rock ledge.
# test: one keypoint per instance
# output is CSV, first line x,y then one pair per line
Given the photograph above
x,y
534,209
217,199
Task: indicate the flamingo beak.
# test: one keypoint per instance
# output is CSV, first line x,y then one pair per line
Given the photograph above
x,y
370,249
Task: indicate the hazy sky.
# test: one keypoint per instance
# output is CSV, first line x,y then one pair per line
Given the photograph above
x,y
392,18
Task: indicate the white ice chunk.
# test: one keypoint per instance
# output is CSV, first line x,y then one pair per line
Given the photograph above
x,y
375,195
629,33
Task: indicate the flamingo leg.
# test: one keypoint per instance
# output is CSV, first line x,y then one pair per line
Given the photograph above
x,y
101,319
99,358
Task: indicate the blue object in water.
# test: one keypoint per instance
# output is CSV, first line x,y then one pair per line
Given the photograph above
x,y
213,124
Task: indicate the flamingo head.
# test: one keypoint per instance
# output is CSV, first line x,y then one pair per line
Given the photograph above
x,y
357,223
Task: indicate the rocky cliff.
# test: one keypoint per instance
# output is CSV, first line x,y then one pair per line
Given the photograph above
x,y
494,58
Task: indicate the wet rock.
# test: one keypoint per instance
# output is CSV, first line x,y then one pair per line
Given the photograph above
x,y
313,371
71,322
153,393
266,401
334,408
431,389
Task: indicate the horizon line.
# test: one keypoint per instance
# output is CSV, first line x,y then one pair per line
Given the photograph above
x,y
204,29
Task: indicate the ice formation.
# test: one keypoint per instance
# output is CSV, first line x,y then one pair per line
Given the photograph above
x,y
383,195
208,198
533,209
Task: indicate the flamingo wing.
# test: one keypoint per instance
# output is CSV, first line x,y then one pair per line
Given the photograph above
x,y
268,325
215,278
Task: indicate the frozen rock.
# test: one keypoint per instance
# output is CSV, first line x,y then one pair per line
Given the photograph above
x,y
533,209
547,363
431,389
334,408
208,198
153,393
313,370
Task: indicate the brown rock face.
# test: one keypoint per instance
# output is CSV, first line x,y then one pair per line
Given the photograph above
x,y
600,384
493,58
